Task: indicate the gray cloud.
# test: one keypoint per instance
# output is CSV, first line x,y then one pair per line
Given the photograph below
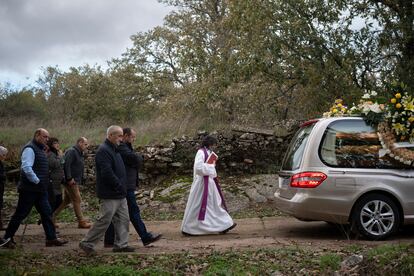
x,y
39,33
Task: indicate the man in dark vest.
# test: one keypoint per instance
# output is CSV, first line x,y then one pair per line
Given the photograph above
x,y
132,161
32,188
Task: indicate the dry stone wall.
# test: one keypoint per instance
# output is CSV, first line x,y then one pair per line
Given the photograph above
x,y
240,151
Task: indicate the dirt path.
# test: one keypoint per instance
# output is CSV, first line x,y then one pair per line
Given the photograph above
x,y
253,233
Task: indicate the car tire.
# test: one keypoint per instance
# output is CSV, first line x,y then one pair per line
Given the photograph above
x,y
375,217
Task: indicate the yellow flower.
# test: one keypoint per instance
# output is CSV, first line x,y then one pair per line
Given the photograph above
x,y
399,128
398,105
393,100
398,95
334,110
409,105
338,101
339,105
343,110
411,119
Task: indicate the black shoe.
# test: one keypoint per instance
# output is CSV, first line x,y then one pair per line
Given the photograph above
x,y
89,251
228,229
123,249
108,245
186,234
56,242
153,238
7,243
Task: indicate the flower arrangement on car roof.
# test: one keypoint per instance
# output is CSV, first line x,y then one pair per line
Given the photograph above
x,y
393,118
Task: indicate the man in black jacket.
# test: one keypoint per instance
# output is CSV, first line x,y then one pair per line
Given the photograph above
x,y
111,190
34,180
132,161
3,154
73,168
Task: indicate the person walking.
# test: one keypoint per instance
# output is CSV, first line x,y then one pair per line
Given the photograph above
x,y
56,174
111,190
32,188
3,154
206,211
132,161
73,169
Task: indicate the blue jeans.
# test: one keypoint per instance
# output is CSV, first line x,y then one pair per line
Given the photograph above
x,y
24,205
134,217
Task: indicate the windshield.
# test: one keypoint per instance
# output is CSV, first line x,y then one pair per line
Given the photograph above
x,y
294,155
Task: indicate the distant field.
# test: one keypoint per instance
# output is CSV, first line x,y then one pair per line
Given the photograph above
x,y
14,135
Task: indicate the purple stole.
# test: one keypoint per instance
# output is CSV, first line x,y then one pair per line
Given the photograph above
x,y
203,208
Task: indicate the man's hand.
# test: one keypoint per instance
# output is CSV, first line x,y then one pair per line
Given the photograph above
x,y
71,182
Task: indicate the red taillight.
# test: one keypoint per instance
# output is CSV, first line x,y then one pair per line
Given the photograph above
x,y
310,122
307,179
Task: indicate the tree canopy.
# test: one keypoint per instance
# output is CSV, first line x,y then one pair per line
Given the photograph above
x,y
247,62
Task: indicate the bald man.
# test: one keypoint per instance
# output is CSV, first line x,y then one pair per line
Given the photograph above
x,y
32,188
111,190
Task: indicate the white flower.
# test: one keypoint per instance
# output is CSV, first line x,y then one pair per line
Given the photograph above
x,y
366,96
373,93
375,108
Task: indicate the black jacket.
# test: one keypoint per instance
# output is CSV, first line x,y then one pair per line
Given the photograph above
x,y
74,164
2,174
132,161
110,172
55,172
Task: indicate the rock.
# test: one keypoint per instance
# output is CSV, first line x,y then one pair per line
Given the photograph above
x,y
351,261
152,193
281,131
176,164
248,136
254,195
179,185
163,158
236,202
248,161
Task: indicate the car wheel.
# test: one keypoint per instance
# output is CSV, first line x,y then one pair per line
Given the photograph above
x,y
376,217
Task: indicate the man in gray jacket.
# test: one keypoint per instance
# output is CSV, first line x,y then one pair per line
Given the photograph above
x,y
73,168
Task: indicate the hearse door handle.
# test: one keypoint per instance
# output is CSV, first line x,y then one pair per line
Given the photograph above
x,y
336,172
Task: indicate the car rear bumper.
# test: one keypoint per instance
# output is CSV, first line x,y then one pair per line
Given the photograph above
x,y
304,207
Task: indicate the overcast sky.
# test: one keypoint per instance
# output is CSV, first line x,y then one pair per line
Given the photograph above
x,y
41,33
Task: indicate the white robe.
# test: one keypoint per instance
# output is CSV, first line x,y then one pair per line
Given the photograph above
x,y
216,219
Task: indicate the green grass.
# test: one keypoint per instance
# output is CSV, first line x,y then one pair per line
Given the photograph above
x,y
156,130
100,270
330,262
291,260
396,259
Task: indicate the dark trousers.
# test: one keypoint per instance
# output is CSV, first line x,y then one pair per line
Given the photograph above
x,y
55,201
134,217
1,194
24,205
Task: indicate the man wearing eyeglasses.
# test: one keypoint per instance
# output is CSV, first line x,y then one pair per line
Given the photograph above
x,y
34,179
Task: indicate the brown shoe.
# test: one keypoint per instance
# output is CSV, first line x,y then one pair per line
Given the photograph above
x,y
84,224
56,242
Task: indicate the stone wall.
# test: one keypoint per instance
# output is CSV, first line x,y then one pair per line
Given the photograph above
x,y
240,151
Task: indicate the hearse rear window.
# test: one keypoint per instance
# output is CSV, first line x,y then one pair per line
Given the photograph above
x,y
354,144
